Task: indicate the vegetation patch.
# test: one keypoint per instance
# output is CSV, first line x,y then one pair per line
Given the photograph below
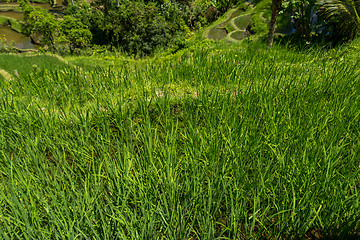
x,y
230,135
239,35
25,64
216,140
235,14
223,24
5,75
15,24
236,21
230,27
242,22
8,7
217,33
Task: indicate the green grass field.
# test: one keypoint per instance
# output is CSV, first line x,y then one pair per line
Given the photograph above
x,y
218,141
25,64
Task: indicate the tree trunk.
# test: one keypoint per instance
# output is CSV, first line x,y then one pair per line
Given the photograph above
x,y
276,4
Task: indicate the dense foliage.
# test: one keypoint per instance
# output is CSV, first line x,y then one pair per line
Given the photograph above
x,y
329,21
144,27
343,16
137,27
59,35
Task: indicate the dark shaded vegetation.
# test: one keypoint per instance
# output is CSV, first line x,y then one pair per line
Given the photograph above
x,y
328,22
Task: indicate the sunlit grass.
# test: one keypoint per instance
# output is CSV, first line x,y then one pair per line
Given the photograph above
x,y
24,64
207,144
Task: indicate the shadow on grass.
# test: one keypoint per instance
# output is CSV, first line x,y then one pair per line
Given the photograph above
x,y
345,231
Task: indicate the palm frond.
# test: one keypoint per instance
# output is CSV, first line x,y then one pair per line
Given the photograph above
x,y
342,13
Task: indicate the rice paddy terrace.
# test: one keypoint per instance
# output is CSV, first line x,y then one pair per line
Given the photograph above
x,y
11,23
233,27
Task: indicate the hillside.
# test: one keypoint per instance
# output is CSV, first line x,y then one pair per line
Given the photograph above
x,y
218,140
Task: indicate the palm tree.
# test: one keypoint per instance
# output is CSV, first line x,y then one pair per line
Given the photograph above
x,y
275,7
344,15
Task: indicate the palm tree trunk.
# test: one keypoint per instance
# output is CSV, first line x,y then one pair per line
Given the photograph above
x,y
276,4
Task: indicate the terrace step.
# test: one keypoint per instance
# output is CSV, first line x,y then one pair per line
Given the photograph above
x,y
233,28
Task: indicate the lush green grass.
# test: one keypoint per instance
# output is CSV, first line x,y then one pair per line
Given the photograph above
x,y
25,64
214,142
102,60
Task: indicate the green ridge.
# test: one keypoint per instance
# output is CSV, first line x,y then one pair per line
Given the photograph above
x,y
15,24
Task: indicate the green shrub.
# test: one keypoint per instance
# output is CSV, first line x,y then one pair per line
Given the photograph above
x,y
136,27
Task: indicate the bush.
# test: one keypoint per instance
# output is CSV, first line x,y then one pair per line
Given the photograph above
x,y
140,27
5,46
136,27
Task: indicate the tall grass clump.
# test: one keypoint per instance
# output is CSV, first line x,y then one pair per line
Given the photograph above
x,y
210,144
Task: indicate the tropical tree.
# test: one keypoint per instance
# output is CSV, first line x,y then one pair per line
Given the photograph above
x,y
75,33
344,15
39,21
302,14
275,7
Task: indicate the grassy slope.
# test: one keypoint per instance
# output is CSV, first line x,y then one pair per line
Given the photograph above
x,y
25,64
231,141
